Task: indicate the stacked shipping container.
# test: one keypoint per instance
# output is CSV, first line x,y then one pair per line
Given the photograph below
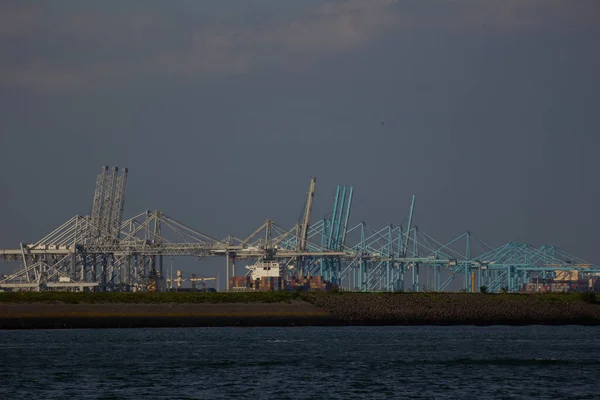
x,y
239,283
303,283
308,283
269,283
562,286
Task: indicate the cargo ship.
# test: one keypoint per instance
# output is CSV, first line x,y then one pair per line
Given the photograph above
x,y
272,276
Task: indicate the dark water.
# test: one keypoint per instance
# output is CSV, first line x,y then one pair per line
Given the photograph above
x,y
280,363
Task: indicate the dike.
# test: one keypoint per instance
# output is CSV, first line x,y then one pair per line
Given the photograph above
x,y
106,310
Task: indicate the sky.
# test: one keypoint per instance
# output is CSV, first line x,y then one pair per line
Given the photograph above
x,y
488,111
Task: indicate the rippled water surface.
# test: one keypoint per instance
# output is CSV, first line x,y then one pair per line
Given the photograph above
x,y
280,363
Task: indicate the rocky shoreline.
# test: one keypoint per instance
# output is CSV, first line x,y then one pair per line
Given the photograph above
x,y
310,310
457,309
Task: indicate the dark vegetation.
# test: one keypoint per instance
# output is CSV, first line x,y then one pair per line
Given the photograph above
x,y
146,297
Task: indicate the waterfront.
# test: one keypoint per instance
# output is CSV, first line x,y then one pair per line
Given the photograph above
x,y
308,362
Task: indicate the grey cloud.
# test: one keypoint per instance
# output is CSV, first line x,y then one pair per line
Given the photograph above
x,y
123,47
15,21
112,48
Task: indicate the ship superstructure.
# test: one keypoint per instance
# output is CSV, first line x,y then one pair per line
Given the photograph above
x,y
265,269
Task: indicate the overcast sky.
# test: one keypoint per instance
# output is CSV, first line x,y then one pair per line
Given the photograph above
x,y
223,110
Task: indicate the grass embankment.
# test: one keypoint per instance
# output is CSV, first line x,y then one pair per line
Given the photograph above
x,y
147,297
127,310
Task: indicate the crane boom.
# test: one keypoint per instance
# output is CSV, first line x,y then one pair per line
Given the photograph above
x,y
307,212
410,217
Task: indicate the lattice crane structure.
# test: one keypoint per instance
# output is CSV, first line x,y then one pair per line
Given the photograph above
x,y
103,252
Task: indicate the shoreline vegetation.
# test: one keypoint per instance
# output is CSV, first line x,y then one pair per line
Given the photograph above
x,y
47,310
